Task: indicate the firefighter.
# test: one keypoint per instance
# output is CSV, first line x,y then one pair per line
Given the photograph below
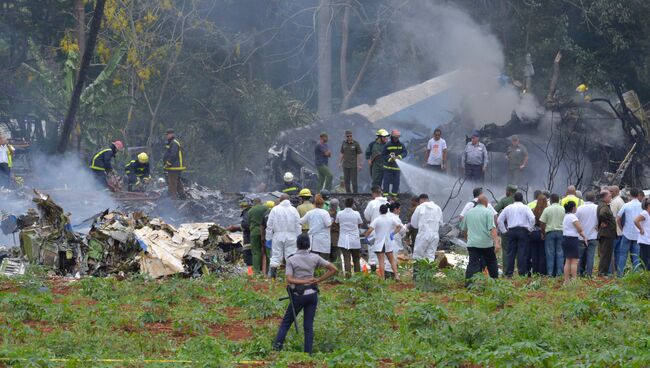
x,y
174,165
290,187
375,158
393,151
137,172
101,162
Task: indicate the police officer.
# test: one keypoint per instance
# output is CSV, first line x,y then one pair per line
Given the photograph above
x,y
138,172
303,291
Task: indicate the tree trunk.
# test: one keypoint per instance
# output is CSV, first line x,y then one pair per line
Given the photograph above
x,y
324,43
550,98
68,123
80,15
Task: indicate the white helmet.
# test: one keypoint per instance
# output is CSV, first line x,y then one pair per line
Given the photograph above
x,y
288,177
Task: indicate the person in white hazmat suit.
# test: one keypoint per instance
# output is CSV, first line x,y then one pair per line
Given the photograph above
x,y
372,212
427,218
320,223
282,230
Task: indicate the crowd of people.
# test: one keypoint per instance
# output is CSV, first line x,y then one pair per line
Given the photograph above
x,y
556,236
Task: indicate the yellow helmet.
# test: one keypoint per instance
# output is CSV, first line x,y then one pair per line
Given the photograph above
x,y
305,193
382,133
143,158
269,204
582,88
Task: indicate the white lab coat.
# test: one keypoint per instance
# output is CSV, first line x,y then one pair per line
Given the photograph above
x,y
396,244
383,225
427,218
283,228
349,220
319,222
372,212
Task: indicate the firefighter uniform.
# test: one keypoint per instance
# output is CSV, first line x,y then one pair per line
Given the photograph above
x,y
174,165
136,171
393,151
101,163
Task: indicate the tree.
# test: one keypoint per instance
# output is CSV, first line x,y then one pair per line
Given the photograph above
x,y
324,21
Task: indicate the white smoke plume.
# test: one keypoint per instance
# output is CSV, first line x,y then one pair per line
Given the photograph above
x,y
450,39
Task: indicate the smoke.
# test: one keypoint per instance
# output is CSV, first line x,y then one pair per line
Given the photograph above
x,y
451,40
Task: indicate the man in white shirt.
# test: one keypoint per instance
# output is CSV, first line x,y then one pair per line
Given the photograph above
x,y
471,204
435,157
6,154
625,219
587,214
372,212
616,205
518,221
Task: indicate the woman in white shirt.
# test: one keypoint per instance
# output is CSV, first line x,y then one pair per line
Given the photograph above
x,y
573,235
319,222
642,223
349,240
385,227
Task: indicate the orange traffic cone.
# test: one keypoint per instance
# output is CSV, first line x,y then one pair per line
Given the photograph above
x,y
250,271
365,268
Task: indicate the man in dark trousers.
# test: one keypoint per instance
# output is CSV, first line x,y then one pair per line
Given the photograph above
x,y
350,162
475,159
606,233
374,155
518,221
174,165
482,240
101,163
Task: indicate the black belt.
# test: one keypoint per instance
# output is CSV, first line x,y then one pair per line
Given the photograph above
x,y
300,289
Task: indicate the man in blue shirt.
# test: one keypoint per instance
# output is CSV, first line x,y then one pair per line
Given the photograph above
x,y
625,219
322,154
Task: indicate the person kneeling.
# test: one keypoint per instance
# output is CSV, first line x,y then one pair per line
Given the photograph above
x,y
303,291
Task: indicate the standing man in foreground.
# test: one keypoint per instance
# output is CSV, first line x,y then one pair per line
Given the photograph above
x,y
517,156
393,151
174,165
322,155
587,214
551,223
374,155
435,157
482,240
625,219
350,162
517,220
282,230
475,159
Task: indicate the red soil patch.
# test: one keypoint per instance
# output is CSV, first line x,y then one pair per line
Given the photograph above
x,y
302,365
41,326
401,286
9,288
60,286
235,331
260,287
232,312
266,321
207,301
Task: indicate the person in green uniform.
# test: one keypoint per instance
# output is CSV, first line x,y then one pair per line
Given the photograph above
x,y
255,217
517,156
374,155
503,203
350,162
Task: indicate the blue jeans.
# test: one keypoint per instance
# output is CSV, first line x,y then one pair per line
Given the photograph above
x,y
554,253
309,304
518,239
587,254
627,246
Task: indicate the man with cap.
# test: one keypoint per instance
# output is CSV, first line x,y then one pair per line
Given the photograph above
x,y
517,156
101,164
322,155
174,165
138,172
290,187
393,151
350,161
374,155
304,207
474,159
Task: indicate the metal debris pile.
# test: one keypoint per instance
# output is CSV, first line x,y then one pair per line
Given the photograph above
x,y
122,243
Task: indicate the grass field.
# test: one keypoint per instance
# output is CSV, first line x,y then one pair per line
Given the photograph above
x,y
361,322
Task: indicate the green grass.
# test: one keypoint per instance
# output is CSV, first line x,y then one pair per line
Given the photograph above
x,y
362,322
